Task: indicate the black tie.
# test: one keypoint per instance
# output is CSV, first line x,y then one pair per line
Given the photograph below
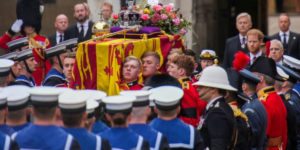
x,y
284,42
81,33
253,60
60,38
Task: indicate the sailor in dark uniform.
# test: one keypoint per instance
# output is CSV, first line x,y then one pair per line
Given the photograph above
x,y
28,66
55,76
14,69
5,65
179,134
291,95
255,111
17,106
119,135
217,125
140,112
6,143
43,134
73,109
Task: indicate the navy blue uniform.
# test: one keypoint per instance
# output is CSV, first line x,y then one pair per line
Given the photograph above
x,y
124,138
54,78
20,127
179,134
99,126
88,141
156,139
6,129
297,88
23,80
258,119
48,137
294,99
6,143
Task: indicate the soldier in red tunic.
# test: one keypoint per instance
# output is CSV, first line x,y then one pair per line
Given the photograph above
x,y
276,132
130,73
29,23
181,67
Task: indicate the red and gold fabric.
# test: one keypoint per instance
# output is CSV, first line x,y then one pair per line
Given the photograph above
x,y
277,123
98,64
192,107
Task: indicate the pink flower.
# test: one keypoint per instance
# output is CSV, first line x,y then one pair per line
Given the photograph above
x,y
168,8
155,18
163,16
176,21
145,17
115,16
158,8
182,31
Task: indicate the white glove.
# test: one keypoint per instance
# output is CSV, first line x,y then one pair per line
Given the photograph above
x,y
16,27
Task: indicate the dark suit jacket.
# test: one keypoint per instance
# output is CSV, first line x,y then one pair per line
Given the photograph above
x,y
73,32
233,45
293,48
52,39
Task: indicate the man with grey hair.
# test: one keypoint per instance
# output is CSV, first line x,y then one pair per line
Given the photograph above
x,y
238,42
276,51
290,40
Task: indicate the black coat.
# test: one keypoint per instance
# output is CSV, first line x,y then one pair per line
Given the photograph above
x,y
52,40
219,126
232,46
73,32
293,46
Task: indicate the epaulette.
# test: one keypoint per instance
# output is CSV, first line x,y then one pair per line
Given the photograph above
x,y
263,97
185,85
197,76
287,96
238,113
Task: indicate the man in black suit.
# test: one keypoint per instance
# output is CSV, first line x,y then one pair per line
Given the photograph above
x,y
238,42
290,40
61,24
82,29
217,125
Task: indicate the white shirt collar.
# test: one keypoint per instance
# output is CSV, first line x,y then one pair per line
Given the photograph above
x,y
85,24
256,55
210,102
287,33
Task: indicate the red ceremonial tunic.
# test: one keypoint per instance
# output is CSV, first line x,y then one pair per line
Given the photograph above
x,y
43,65
277,123
131,86
192,107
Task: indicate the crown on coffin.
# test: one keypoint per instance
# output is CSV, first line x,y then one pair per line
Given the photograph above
x,y
129,17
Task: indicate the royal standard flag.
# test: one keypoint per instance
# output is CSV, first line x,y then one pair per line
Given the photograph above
x,y
98,64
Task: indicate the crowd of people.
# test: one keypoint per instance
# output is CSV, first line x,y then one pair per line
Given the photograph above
x,y
249,101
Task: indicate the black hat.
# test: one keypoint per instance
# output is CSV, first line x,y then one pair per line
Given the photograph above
x,y
292,76
56,50
264,65
30,11
249,77
17,44
70,43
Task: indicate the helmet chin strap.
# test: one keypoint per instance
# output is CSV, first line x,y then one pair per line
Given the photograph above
x,y
27,68
13,74
59,61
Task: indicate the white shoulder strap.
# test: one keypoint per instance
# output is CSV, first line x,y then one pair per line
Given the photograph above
x,y
7,142
98,142
68,142
158,141
140,143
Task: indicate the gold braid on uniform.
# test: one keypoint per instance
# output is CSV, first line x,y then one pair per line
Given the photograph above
x,y
36,46
238,113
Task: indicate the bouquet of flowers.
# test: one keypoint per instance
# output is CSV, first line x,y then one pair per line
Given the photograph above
x,y
163,16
